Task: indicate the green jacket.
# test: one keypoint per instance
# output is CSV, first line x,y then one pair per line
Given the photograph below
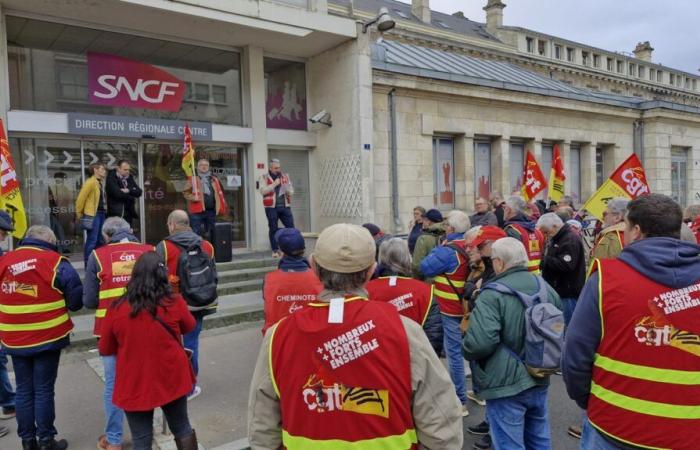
x,y
427,241
496,319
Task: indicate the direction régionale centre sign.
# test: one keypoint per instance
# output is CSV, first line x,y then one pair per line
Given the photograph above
x,y
135,127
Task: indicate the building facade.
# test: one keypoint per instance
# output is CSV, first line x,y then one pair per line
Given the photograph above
x,y
436,111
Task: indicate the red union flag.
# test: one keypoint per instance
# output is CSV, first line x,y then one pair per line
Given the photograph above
x,y
628,181
117,81
10,194
556,176
533,179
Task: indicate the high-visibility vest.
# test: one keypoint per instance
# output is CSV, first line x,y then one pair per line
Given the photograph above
x,y
412,298
269,199
197,206
287,292
115,262
620,237
534,246
449,299
645,389
32,311
172,256
343,385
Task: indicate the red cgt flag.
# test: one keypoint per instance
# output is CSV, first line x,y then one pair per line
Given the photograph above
x,y
534,181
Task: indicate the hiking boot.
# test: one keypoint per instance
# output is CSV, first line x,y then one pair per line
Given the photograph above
x,y
465,410
479,430
187,442
53,444
30,445
473,396
484,444
575,431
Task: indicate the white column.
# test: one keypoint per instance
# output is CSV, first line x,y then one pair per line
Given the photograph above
x,y
588,175
254,101
500,167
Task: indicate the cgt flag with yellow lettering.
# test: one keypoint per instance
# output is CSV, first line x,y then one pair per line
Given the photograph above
x,y
533,179
628,181
10,194
188,164
556,176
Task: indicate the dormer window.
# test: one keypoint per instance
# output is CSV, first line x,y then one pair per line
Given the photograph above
x,y
585,58
530,44
541,47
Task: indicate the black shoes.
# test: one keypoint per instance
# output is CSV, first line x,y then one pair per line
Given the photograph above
x,y
30,445
484,444
53,444
479,430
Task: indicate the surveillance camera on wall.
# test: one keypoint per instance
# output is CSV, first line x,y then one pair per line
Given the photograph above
x,y
323,117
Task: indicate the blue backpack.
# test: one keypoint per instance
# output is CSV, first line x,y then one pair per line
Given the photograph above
x,y
544,330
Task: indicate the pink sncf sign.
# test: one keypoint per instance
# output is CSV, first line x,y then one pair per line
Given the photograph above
x,y
117,81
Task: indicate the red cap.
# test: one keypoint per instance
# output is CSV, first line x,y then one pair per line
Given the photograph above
x,y
487,233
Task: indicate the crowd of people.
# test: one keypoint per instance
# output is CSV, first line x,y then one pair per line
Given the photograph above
x,y
353,335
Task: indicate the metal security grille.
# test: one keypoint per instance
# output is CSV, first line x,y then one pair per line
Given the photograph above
x,y
341,186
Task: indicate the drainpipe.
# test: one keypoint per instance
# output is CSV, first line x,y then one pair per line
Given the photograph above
x,y
638,138
394,164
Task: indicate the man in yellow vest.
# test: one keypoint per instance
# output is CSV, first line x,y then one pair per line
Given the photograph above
x,y
107,273
38,286
611,240
631,356
346,372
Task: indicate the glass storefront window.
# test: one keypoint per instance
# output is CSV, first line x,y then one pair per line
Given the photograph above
x,y
285,88
482,168
443,173
516,165
49,72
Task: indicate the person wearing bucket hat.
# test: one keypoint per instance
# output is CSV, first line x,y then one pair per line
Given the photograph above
x,y
293,284
433,230
353,357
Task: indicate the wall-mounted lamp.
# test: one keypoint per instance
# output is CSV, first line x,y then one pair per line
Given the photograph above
x,y
383,20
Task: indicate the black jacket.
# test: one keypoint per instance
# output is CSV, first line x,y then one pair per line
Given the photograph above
x,y
121,204
564,263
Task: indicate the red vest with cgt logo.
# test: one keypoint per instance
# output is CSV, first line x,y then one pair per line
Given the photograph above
x,y
348,382
412,298
287,292
449,298
534,246
115,261
646,374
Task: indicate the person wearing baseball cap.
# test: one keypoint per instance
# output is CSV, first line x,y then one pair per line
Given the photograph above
x,y
293,284
347,369
433,230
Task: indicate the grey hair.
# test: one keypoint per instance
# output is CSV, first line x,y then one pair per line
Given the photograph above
x,y
471,234
549,221
395,256
274,161
341,282
618,206
566,200
115,225
42,233
179,218
517,203
459,220
511,251
692,211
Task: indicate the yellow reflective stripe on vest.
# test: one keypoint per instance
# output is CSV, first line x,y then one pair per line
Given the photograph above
x,y
446,295
101,313
396,442
35,308
35,326
443,280
648,373
110,293
666,410
533,263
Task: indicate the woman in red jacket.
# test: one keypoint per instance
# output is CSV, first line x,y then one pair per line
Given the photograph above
x,y
144,329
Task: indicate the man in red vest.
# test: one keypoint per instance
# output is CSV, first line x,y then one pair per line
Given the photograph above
x,y
277,190
182,237
293,284
347,372
631,355
39,286
519,226
7,394
691,217
205,200
107,273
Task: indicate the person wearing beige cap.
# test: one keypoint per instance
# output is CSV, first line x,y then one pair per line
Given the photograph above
x,y
346,371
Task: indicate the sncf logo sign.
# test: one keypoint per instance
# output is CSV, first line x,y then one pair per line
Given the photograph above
x,y
117,81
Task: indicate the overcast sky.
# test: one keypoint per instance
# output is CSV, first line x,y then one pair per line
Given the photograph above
x,y
671,26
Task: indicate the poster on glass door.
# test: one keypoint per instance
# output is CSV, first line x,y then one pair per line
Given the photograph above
x,y
444,173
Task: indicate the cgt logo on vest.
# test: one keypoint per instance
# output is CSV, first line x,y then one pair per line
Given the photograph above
x,y
117,81
322,397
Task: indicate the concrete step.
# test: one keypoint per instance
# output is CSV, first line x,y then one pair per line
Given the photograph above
x,y
256,273
237,287
240,307
248,263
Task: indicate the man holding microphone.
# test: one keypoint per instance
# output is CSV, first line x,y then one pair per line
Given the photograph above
x,y
277,191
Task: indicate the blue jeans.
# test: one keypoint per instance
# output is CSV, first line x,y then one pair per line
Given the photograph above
x,y
569,306
204,224
520,422
591,439
36,378
7,394
191,341
114,416
452,343
274,215
141,423
94,236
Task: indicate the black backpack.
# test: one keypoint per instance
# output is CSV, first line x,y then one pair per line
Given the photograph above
x,y
198,278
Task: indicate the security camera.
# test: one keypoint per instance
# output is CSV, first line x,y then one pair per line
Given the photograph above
x,y
323,117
